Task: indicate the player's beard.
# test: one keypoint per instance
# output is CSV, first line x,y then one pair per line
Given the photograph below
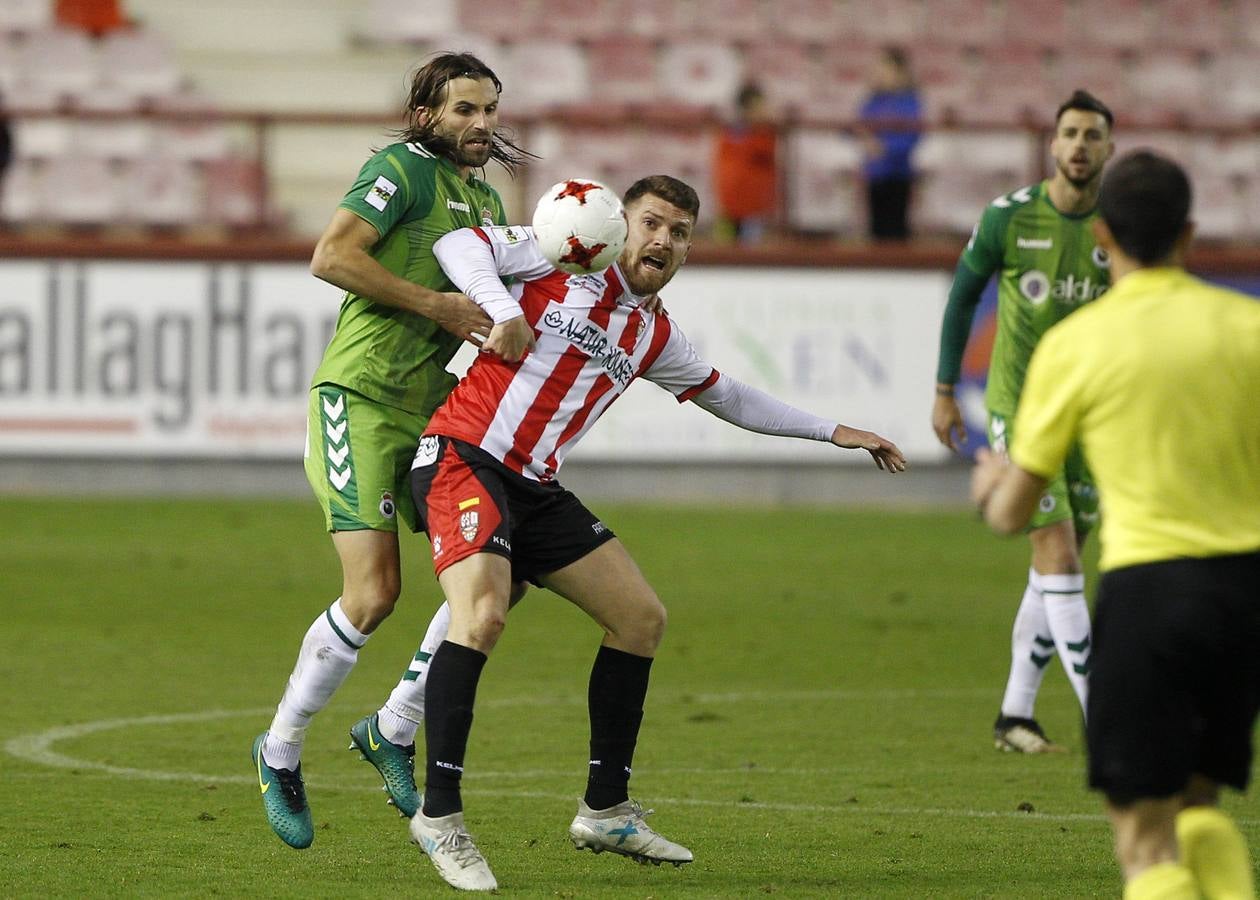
x,y
1084,181
474,158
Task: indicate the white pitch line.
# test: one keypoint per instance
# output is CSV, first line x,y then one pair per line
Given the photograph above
x,y
38,748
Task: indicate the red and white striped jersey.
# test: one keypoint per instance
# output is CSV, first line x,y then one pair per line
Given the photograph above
x,y
592,340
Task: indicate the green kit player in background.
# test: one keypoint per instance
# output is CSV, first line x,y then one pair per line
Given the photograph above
x,y
1038,240
382,376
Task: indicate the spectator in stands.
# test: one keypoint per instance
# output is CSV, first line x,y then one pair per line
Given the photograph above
x,y
889,119
745,169
96,17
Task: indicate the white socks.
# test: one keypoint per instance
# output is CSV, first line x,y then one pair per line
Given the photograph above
x,y
328,653
399,718
1032,647
1068,615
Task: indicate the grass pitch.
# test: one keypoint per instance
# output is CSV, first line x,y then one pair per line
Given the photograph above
x,y
818,722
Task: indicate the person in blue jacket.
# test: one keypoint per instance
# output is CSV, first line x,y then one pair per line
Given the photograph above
x,y
889,120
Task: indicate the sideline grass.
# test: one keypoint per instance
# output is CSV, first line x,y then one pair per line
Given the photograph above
x,y
818,723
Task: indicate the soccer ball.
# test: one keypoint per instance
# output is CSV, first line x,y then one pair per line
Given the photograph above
x,y
580,226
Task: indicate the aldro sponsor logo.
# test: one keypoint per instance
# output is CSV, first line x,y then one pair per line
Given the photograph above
x,y
1036,287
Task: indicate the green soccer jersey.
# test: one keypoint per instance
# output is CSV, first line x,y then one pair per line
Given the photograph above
x,y
1047,263
412,198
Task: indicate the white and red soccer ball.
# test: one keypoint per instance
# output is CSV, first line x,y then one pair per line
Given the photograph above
x,y
580,226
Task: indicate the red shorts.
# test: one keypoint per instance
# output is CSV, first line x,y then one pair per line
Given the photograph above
x,y
468,502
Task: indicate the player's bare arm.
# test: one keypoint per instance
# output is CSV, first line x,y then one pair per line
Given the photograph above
x,y
510,340
885,453
1005,494
341,258
947,420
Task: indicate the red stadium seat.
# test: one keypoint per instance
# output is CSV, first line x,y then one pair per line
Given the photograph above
x,y
889,21
164,192
1042,22
626,68
546,75
1192,24
1170,86
699,74
734,20
1118,24
57,62
140,63
84,191
25,15
976,23
822,22
824,194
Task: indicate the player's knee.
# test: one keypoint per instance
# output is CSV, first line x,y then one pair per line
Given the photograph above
x,y
645,627
486,628
369,601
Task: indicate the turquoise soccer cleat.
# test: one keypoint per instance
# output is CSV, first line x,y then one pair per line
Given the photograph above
x,y
396,764
284,800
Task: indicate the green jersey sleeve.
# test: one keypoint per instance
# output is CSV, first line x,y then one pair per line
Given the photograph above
x,y
384,194
983,254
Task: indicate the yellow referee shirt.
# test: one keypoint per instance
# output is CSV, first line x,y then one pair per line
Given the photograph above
x,y
1160,381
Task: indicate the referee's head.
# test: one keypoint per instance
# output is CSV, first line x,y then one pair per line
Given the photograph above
x,y
1145,203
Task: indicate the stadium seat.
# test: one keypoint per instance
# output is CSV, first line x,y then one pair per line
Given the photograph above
x,y
733,20
43,137
1101,72
825,193
200,136
405,21
577,20
125,137
57,62
1236,86
1192,24
23,192
962,172
626,68
548,75
889,21
1117,24
1013,86
25,15
233,188
139,62
973,23
1171,86
1044,23
83,191
699,74
819,22
164,192
500,19
657,19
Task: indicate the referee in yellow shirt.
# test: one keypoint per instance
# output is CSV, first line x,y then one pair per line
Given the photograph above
x,y
1159,380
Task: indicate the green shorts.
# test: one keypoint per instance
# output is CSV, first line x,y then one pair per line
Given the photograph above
x,y
1071,494
358,459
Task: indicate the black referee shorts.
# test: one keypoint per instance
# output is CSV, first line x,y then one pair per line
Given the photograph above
x,y
1174,685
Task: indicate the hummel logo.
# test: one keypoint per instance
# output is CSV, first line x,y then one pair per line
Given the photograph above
x,y
335,433
338,456
1024,243
334,410
262,785
339,479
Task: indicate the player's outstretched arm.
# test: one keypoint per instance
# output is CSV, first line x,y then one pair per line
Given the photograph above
x,y
341,258
885,453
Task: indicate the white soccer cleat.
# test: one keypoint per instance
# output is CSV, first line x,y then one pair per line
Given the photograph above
x,y
453,852
622,829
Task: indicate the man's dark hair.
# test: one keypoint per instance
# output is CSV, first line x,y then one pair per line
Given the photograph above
x,y
428,90
669,189
1145,201
1083,100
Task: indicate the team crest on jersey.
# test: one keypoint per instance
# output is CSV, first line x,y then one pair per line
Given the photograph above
x,y
1100,258
1047,504
487,217
512,236
387,507
469,524
1035,286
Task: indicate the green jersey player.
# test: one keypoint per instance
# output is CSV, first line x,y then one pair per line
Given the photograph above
x,y
1039,243
382,376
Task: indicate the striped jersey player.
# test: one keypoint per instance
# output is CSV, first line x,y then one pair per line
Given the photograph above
x,y
561,351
